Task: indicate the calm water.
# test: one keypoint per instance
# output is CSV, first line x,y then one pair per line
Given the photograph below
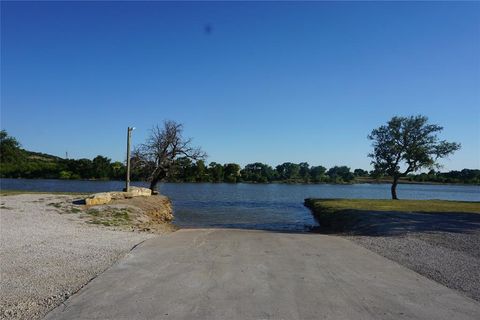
x,y
253,206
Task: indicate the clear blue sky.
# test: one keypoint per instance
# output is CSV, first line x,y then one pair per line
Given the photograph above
x,y
271,82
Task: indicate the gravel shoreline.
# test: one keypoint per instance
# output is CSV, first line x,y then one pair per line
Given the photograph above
x,y
46,256
444,247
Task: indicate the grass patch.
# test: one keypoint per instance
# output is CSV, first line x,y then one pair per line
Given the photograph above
x,y
75,210
102,222
55,204
93,212
436,206
340,214
110,216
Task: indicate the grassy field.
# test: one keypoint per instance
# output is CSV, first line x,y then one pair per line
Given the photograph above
x,y
339,214
335,205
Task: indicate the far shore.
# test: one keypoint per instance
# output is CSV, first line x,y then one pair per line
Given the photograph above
x,y
360,180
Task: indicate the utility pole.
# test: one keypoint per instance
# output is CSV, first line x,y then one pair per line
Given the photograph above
x,y
129,135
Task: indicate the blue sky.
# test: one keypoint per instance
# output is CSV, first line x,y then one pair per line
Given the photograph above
x,y
271,82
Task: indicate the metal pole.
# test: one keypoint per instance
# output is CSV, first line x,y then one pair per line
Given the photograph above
x,y
127,183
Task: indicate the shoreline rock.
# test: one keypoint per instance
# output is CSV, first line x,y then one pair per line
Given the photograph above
x,y
107,197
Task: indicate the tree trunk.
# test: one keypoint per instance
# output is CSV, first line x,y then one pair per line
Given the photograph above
x,y
394,188
155,180
153,185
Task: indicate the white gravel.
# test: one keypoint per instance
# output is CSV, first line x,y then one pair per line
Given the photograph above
x,y
46,256
444,247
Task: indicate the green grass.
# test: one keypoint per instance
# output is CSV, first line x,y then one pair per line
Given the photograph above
x,y
110,216
339,214
93,212
75,210
436,206
55,204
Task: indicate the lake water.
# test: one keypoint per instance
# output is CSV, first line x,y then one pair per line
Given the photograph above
x,y
252,206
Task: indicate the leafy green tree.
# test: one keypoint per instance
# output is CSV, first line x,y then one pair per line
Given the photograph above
x,y
252,172
464,176
183,170
231,172
293,171
118,170
65,175
304,171
10,150
317,173
469,175
85,168
288,171
101,167
215,171
340,174
257,172
360,173
281,172
410,143
201,173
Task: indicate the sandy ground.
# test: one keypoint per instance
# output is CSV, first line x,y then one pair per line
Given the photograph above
x,y
444,247
46,256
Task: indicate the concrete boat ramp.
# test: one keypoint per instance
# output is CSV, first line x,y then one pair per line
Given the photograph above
x,y
248,274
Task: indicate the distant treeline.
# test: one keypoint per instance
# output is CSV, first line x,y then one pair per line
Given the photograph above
x,y
467,176
18,163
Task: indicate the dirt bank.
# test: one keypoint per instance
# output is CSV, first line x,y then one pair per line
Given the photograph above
x,y
152,214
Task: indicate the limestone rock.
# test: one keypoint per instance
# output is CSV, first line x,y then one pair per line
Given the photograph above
x,y
139,192
98,198
118,195
106,197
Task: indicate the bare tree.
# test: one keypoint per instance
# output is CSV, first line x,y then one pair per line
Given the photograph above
x,y
156,157
408,142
